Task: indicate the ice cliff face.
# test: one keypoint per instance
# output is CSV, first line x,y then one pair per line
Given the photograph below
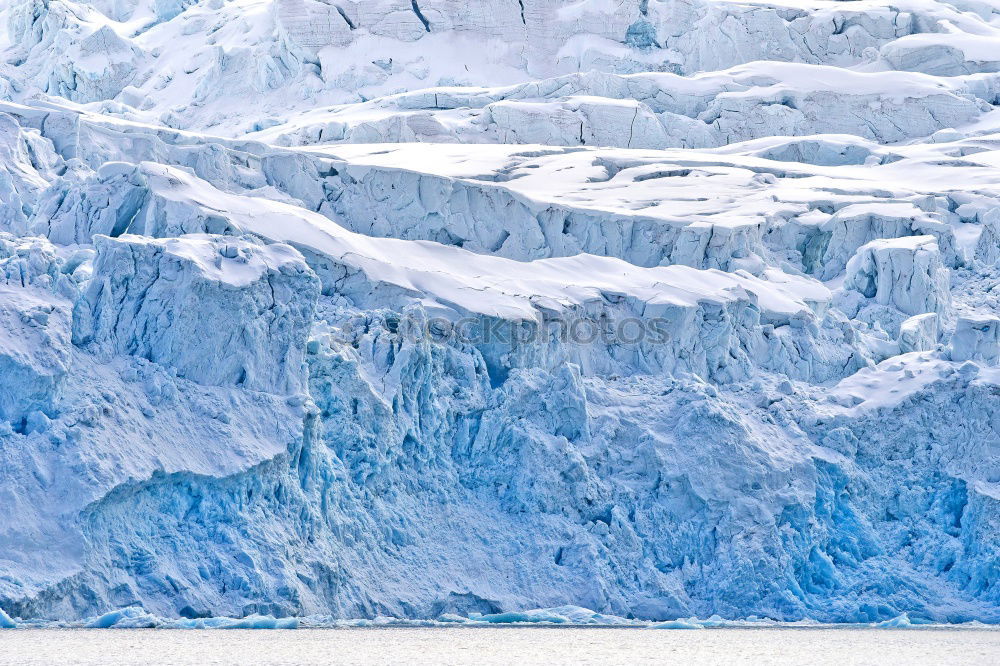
x,y
659,308
151,299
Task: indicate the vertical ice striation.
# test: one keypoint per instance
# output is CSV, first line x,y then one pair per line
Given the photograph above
x,y
219,311
904,273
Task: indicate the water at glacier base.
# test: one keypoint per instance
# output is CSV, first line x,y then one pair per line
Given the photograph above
x,y
504,645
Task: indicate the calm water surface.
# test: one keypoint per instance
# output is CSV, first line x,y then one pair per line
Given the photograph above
x,y
502,645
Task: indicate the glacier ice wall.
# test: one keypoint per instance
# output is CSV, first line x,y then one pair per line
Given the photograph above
x,y
152,299
662,309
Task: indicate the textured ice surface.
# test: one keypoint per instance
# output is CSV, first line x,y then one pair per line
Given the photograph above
x,y
217,311
445,312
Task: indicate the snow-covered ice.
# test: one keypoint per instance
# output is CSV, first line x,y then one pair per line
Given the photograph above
x,y
383,312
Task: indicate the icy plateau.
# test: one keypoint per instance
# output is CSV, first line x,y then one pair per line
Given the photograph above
x,y
285,288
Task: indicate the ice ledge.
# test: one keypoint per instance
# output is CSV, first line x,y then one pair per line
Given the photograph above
x,y
220,311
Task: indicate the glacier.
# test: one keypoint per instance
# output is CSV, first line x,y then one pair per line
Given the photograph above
x,y
562,311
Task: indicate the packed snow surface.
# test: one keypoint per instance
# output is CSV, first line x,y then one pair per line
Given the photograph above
x,y
564,312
